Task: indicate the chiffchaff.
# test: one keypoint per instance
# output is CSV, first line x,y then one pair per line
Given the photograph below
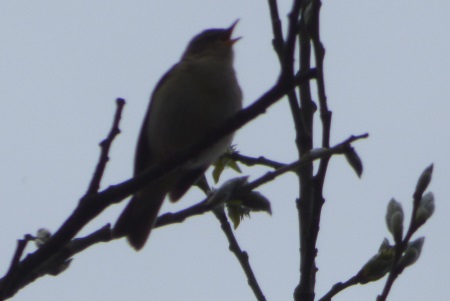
x,y
194,96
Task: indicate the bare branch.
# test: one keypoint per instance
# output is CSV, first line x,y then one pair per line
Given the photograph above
x,y
61,255
340,148
105,145
338,287
60,261
21,245
278,45
276,28
311,187
241,256
251,161
325,113
92,205
178,217
203,206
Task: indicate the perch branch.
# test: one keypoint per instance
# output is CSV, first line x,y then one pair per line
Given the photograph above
x,y
92,205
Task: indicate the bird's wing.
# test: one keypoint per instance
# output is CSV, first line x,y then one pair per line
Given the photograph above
x,y
143,158
184,181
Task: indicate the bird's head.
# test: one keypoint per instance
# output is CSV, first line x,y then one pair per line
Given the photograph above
x,y
212,43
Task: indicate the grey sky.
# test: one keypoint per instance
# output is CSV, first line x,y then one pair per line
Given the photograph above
x,y
63,63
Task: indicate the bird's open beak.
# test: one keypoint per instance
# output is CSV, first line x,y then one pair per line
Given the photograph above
x,y
230,32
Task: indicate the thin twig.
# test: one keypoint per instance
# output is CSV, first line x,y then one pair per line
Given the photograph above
x,y
340,148
325,113
178,217
203,206
338,287
251,161
21,245
276,28
60,261
234,247
287,63
278,45
241,256
105,145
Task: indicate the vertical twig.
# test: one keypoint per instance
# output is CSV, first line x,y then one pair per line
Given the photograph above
x,y
278,45
105,145
303,120
325,113
308,195
21,245
311,187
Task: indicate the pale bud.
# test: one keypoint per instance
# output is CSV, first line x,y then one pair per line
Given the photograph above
x,y
423,182
412,253
385,245
394,219
425,209
42,236
379,265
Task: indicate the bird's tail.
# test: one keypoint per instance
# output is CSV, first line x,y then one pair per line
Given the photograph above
x,y
138,218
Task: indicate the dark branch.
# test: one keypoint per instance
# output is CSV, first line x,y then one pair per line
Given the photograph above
x,y
21,245
311,187
276,28
278,45
220,215
251,161
105,145
203,206
325,113
178,217
307,159
338,287
75,246
241,256
92,205
60,261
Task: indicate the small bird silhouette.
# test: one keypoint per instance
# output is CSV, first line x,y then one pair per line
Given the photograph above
x,y
194,96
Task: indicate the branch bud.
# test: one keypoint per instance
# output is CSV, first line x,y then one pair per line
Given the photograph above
x,y
423,182
379,265
425,209
412,253
394,219
42,236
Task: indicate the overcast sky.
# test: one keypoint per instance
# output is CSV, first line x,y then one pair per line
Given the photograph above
x,y
63,63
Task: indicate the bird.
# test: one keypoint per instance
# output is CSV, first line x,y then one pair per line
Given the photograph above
x,y
197,94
